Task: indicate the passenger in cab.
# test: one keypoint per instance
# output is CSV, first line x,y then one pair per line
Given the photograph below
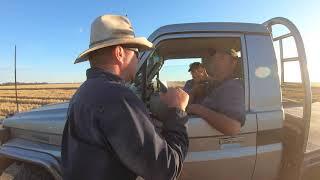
x,y
197,87
223,107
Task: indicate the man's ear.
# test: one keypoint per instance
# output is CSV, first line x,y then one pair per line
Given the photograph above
x,y
118,53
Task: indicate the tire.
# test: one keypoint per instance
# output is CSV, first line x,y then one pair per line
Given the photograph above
x,y
25,171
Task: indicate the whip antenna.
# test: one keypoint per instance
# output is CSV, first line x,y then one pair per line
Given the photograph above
x,y
15,76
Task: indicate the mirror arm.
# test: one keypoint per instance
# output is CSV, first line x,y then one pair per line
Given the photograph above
x,y
144,81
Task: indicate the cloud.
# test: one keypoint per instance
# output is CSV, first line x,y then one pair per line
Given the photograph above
x,y
81,30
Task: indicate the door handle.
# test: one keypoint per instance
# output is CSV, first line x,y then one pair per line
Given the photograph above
x,y
231,140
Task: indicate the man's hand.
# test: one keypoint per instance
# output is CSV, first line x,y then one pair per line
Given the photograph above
x,y
175,97
204,76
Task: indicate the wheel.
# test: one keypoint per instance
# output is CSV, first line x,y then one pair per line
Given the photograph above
x,y
25,171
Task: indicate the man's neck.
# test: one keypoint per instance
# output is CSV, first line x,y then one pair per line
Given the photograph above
x,y
110,69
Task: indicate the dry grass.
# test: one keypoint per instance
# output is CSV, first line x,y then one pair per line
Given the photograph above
x,y
317,84
33,96
38,86
294,92
38,94
8,108
179,84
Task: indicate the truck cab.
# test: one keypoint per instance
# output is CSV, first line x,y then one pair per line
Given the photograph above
x,y
272,142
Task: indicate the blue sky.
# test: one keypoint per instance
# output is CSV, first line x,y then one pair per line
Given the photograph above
x,y
50,34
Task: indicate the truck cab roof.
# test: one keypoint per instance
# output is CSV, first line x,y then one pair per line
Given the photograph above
x,y
223,27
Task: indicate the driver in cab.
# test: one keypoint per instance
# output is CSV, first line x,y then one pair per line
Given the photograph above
x,y
223,105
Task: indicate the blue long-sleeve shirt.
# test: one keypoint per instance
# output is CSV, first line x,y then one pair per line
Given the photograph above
x,y
108,134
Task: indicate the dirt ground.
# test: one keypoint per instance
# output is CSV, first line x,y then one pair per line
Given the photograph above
x,y
314,131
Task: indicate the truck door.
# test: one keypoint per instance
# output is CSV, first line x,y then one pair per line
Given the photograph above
x,y
211,155
296,97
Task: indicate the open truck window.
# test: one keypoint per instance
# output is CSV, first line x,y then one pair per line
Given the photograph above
x,y
177,54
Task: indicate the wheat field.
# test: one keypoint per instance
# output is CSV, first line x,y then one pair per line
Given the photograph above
x,y
33,96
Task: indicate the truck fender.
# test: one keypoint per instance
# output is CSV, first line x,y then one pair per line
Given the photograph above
x,y
45,160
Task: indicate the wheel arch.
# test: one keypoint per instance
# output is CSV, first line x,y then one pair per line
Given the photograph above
x,y
47,161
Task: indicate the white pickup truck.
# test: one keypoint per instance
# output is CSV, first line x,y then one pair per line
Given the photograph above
x,y
272,143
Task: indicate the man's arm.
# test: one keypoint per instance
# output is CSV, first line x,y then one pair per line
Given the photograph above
x,y
219,121
224,109
134,140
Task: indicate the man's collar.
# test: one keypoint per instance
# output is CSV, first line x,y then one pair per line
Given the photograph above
x,y
97,72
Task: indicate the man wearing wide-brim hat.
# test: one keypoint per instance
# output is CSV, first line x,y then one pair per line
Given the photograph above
x,y
108,133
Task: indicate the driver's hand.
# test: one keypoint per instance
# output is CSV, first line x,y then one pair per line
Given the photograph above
x,y
175,97
204,76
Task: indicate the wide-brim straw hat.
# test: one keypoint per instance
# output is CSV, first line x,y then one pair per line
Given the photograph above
x,y
110,30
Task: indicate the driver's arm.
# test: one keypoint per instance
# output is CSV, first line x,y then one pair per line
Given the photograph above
x,y
224,124
224,108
